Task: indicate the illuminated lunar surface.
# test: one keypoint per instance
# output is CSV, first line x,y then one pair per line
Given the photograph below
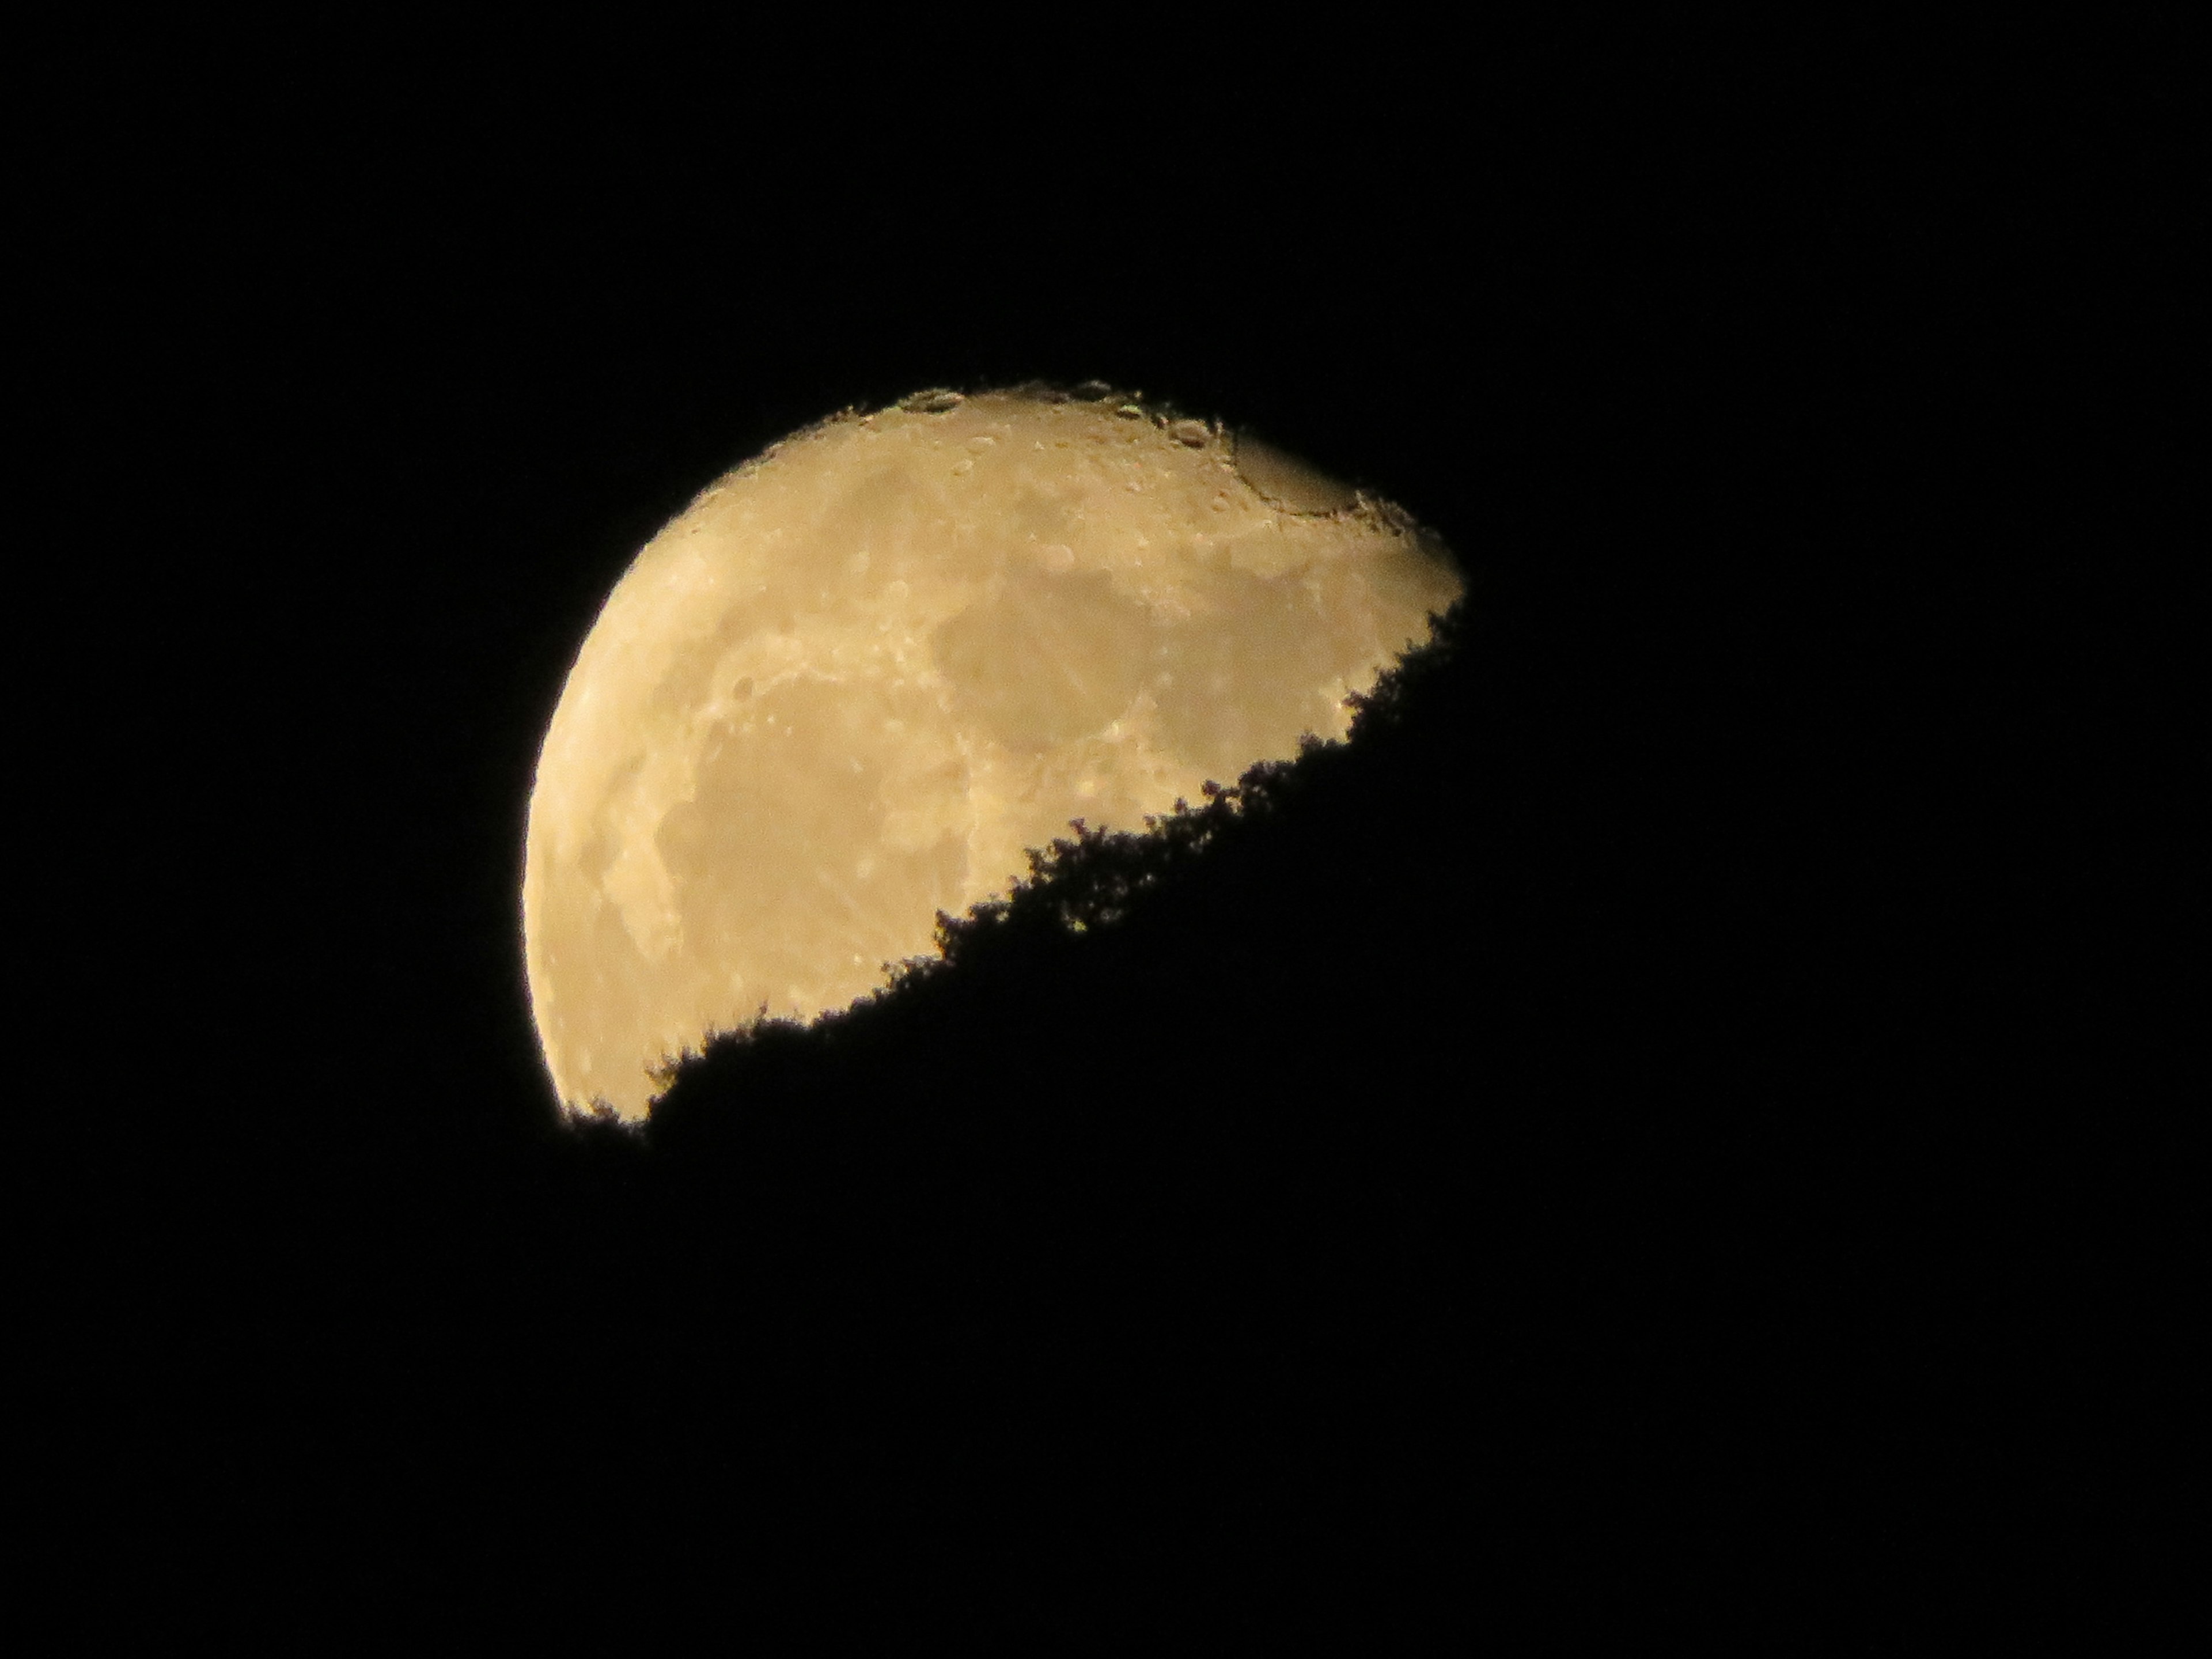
x,y
851,684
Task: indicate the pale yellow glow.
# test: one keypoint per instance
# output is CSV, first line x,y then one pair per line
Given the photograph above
x,y
859,675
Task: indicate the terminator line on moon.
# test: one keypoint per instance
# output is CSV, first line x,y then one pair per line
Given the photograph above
x,y
862,674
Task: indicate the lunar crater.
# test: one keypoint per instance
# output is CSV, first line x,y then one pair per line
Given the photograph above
x,y
851,687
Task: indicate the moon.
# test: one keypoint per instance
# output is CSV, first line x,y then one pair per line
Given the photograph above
x,y
860,675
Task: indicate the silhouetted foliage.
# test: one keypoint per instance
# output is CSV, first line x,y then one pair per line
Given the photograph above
x,y
1098,879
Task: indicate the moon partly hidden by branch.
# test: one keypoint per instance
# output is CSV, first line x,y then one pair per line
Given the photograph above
x,y
860,675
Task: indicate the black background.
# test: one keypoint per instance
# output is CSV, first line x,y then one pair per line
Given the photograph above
x,y
1649,1137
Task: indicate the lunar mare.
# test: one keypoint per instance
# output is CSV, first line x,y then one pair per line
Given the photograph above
x,y
862,674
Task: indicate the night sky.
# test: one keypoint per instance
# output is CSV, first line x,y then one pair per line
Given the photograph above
x,y
1623,1145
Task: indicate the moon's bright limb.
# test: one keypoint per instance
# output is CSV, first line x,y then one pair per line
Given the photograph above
x,y
859,675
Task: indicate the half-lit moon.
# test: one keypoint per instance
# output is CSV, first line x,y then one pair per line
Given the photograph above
x,y
851,684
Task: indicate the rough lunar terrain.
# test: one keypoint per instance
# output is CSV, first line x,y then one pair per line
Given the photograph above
x,y
861,674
